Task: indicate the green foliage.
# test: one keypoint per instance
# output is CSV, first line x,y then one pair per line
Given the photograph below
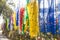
x,y
2,4
5,9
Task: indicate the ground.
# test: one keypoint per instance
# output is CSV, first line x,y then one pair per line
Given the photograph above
x,y
2,37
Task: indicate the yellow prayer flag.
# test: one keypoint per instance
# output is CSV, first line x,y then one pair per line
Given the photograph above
x,y
14,21
33,19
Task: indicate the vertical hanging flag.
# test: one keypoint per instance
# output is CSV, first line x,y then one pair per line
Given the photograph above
x,y
14,20
52,19
21,17
26,21
41,18
7,21
46,16
17,16
26,18
33,18
11,23
22,12
55,17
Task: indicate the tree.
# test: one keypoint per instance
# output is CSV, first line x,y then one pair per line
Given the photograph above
x,y
5,9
